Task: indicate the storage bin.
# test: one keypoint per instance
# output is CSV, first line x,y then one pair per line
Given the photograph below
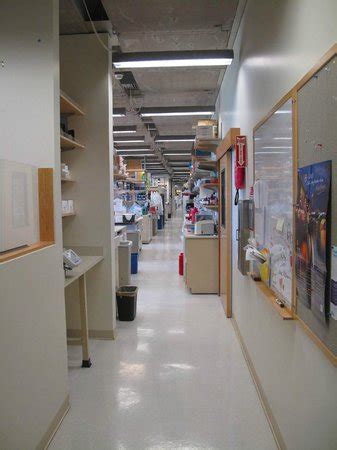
x,y
160,222
154,224
124,262
127,303
134,263
134,237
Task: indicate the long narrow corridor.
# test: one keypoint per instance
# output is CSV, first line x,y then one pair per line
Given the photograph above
x,y
174,379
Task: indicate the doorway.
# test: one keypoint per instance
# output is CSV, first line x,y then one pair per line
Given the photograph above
x,y
225,171
225,240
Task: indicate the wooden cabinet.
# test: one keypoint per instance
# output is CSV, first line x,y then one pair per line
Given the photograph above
x,y
201,264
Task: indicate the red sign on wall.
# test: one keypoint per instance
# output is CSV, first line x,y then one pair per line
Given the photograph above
x,y
241,151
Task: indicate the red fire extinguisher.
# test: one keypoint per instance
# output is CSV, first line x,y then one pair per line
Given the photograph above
x,y
240,164
181,264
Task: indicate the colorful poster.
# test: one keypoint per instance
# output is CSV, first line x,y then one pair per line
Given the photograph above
x,y
333,293
311,222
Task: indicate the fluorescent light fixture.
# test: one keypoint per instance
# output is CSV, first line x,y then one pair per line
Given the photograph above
x,y
138,148
194,58
125,129
271,153
129,140
136,155
176,154
283,111
119,112
271,147
177,111
174,138
283,138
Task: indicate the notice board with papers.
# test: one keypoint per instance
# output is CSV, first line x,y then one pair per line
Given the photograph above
x,y
316,205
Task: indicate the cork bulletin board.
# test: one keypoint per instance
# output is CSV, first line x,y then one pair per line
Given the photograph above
x,y
316,267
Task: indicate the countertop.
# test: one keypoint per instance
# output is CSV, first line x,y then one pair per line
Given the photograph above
x,y
200,236
88,262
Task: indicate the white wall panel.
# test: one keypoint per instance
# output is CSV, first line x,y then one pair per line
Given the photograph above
x,y
277,43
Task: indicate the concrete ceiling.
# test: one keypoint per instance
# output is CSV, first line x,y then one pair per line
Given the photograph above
x,y
159,25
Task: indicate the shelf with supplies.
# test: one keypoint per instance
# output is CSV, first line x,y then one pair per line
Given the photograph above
x,y
207,145
213,186
134,181
119,177
126,179
211,166
70,214
70,144
212,207
68,106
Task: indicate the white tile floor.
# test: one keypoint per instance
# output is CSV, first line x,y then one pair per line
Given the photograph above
x,y
174,379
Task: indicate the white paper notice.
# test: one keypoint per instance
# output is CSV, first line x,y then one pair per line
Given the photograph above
x,y
280,224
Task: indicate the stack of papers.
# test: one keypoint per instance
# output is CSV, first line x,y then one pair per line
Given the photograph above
x,y
253,254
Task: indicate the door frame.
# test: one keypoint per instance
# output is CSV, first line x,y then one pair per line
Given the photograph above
x,y
223,151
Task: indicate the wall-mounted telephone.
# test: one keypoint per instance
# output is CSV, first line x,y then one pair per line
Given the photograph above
x,y
70,259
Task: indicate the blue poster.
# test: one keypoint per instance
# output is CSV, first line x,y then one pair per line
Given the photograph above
x,y
312,246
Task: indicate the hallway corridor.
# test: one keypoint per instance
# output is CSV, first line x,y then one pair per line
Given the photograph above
x,y
175,378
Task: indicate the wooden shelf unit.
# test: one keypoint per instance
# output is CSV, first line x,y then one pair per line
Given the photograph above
x,y
70,144
207,145
213,186
207,166
213,207
119,177
131,180
69,107
69,214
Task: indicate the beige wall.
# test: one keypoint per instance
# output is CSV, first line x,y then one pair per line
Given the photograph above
x,y
33,364
277,43
85,72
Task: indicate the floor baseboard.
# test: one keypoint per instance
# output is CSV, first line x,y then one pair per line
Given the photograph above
x,y
54,425
262,396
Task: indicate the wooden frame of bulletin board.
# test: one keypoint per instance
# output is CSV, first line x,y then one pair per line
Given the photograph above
x,y
274,145
314,141
46,218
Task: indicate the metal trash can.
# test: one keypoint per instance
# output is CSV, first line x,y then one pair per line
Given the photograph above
x,y
124,262
127,303
154,224
134,237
